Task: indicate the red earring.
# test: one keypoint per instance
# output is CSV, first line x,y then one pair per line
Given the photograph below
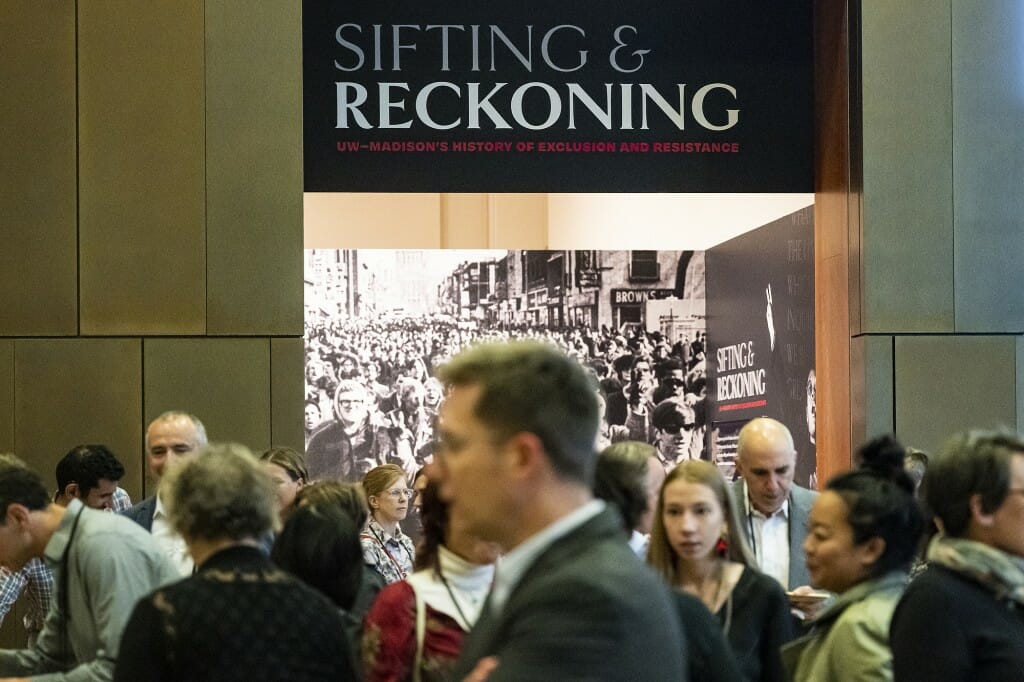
x,y
722,547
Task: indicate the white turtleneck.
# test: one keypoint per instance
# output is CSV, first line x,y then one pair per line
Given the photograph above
x,y
469,584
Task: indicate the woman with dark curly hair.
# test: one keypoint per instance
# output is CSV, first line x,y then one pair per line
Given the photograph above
x,y
862,535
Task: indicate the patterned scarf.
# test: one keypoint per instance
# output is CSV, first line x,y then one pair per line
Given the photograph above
x,y
996,570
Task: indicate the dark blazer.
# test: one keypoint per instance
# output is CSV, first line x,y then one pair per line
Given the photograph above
x,y
800,501
587,609
142,513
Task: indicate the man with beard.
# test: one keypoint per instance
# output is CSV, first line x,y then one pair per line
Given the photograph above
x,y
357,441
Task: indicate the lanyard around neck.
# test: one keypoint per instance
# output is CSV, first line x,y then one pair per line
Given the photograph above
x,y
384,546
65,605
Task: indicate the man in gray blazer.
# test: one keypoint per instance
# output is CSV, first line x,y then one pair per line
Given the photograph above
x,y
515,462
773,510
103,565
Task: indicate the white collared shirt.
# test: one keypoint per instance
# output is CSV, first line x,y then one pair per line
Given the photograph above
x,y
638,542
769,537
172,544
515,564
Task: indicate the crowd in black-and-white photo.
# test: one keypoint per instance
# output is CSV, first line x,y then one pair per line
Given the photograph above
x,y
371,397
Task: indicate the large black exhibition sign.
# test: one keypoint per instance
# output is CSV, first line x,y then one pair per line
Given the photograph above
x,y
760,321
558,96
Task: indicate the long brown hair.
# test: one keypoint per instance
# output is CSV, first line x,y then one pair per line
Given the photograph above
x,y
660,555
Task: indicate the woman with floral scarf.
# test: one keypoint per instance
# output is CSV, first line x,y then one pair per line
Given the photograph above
x,y
963,618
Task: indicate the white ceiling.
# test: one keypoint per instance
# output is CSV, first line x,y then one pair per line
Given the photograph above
x,y
574,221
661,221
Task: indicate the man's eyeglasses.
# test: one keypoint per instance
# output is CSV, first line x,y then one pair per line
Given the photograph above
x,y
399,493
673,430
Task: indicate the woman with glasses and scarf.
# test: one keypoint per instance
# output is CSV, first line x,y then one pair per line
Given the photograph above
x,y
386,548
415,629
963,617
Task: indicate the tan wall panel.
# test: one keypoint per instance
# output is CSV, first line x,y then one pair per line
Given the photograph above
x,y
464,221
908,168
372,221
1020,382
254,167
224,382
518,221
287,367
946,384
12,634
141,159
871,389
6,395
74,391
988,164
38,230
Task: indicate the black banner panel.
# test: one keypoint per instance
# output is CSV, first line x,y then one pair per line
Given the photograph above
x,y
760,308
596,96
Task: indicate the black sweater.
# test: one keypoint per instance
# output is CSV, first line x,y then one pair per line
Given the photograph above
x,y
758,626
239,618
949,627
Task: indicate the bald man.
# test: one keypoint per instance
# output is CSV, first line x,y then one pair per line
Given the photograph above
x,y
774,509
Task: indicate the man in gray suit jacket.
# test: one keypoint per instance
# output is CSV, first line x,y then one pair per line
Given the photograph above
x,y
774,510
516,458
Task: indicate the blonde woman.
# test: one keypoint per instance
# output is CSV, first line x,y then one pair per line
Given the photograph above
x,y
386,548
697,547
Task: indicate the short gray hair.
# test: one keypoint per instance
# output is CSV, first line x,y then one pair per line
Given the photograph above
x,y
972,462
178,414
221,492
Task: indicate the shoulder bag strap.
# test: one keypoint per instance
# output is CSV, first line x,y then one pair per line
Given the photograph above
x,y
421,632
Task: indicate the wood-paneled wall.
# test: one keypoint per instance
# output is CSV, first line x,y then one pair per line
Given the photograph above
x,y
150,222
835,220
919,221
